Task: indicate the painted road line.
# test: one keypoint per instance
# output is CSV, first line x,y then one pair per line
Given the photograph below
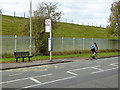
x,y
49,82
41,70
72,73
15,74
83,68
23,79
80,69
111,69
114,64
35,80
106,69
97,68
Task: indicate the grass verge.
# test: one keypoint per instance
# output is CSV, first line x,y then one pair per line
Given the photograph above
x,y
82,55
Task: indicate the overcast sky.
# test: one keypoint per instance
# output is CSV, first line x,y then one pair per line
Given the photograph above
x,y
87,11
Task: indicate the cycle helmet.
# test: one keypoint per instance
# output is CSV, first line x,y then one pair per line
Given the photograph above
x,y
94,42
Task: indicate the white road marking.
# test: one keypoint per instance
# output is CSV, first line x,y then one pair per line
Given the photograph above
x,y
79,69
97,68
50,82
15,74
35,80
24,79
104,70
72,73
94,67
111,69
114,64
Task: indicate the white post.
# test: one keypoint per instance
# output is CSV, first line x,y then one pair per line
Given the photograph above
x,y
51,42
15,42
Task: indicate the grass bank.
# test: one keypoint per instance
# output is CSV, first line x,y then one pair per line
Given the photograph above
x,y
82,55
12,26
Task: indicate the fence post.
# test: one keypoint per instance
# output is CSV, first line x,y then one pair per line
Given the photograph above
x,y
82,23
72,21
0,11
66,20
24,15
73,43
107,44
33,43
15,42
77,22
14,13
92,40
62,44
83,43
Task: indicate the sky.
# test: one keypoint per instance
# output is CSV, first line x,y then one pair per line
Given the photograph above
x,y
92,12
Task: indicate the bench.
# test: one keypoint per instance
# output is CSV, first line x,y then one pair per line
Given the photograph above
x,y
22,55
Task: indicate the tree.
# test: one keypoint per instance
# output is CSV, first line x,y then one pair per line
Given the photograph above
x,y
113,28
44,11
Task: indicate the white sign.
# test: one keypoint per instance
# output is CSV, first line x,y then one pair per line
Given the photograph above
x,y
47,25
50,44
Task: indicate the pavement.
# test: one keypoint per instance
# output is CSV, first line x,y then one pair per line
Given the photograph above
x,y
7,66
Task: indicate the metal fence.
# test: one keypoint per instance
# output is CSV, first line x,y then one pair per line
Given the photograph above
x,y
10,44
66,44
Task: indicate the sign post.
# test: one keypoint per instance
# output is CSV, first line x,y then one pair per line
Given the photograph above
x,y
50,40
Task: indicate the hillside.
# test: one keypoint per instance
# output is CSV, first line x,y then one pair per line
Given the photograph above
x,y
73,30
11,26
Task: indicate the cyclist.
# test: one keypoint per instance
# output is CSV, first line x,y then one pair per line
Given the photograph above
x,y
94,48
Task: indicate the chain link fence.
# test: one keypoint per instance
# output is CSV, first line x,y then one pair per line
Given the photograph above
x,y
10,44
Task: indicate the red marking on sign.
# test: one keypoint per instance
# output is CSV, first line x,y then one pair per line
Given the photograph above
x,y
47,22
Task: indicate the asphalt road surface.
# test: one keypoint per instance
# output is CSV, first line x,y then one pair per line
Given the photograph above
x,y
100,73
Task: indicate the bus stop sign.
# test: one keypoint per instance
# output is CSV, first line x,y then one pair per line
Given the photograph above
x,y
47,25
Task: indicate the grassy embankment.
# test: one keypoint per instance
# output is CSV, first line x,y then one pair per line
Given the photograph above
x,y
12,25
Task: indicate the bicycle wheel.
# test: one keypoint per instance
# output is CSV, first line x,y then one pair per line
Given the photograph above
x,y
96,56
91,57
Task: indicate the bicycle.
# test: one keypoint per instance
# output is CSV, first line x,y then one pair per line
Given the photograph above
x,y
93,56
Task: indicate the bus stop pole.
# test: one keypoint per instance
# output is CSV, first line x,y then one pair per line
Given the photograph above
x,y
51,43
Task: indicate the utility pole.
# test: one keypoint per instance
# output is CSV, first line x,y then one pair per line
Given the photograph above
x,y
119,25
118,19
30,28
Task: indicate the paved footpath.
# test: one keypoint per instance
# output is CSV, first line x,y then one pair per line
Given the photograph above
x,y
7,66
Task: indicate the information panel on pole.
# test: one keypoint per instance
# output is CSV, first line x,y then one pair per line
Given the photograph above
x,y
50,44
47,25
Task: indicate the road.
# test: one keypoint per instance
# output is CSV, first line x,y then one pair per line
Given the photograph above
x,y
100,73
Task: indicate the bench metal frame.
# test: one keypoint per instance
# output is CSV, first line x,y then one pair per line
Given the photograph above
x,y
22,55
